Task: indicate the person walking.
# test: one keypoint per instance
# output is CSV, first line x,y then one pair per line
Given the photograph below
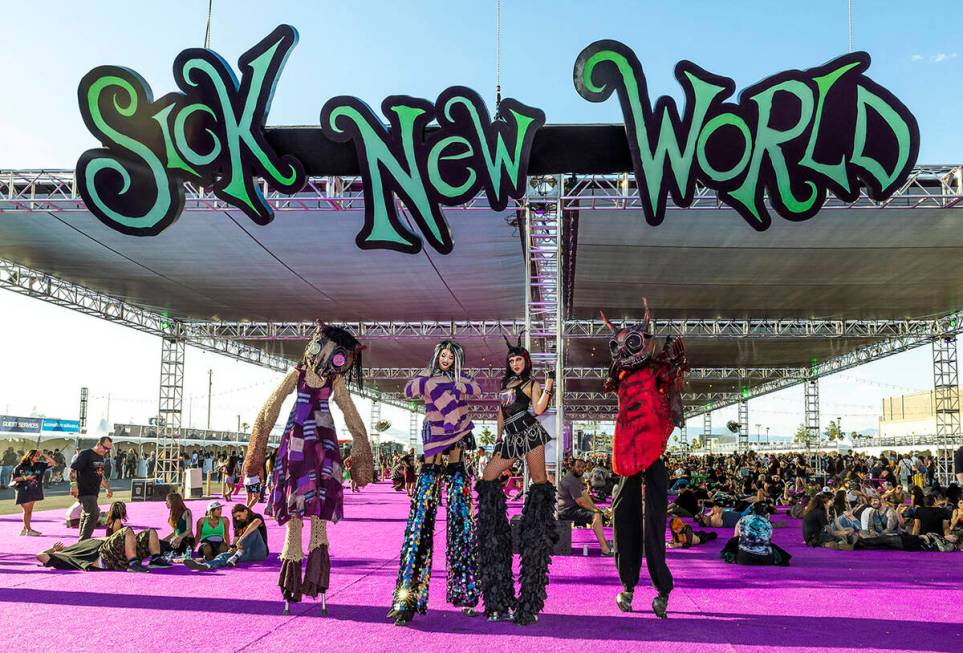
x,y
87,477
28,479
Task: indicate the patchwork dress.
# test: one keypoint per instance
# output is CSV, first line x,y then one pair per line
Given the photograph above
x,y
306,478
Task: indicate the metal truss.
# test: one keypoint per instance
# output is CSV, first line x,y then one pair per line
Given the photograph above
x,y
40,285
811,414
743,425
946,326
299,331
768,329
170,404
928,186
56,190
946,395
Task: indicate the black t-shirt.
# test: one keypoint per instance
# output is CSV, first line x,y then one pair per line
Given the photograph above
x,y
33,471
931,519
10,458
262,529
813,524
89,466
958,461
687,501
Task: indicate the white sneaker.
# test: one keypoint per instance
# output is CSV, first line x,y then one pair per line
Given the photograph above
x,y
33,533
23,531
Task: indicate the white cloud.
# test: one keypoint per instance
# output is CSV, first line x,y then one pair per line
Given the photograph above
x,y
916,57
943,56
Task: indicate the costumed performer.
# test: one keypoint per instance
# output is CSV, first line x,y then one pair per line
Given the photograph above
x,y
519,435
649,389
447,431
306,476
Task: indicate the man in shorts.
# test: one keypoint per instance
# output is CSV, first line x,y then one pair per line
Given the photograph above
x,y
575,504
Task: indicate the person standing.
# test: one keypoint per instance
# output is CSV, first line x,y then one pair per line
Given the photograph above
x,y
86,478
6,466
28,479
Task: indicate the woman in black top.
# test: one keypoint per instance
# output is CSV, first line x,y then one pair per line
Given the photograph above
x,y
28,479
520,435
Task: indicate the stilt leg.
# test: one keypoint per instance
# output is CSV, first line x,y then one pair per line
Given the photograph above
x,y
462,551
537,538
292,554
317,571
414,573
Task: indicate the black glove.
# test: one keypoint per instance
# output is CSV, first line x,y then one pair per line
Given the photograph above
x,y
550,375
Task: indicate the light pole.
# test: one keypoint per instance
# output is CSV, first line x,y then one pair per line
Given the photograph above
x,y
767,435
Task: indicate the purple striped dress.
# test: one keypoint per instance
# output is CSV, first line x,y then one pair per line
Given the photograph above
x,y
307,475
447,420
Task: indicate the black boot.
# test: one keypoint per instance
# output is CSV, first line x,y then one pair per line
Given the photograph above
x,y
660,605
494,551
537,539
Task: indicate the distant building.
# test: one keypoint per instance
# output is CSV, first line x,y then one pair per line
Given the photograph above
x,y
908,415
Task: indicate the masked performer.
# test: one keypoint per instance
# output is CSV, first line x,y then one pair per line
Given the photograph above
x,y
649,388
306,476
519,435
447,432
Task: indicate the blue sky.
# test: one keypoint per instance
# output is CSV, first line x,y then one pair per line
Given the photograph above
x,y
374,49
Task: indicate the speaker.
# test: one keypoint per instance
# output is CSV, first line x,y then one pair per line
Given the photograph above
x,y
138,490
563,528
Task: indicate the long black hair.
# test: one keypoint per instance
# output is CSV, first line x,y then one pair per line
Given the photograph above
x,y
516,350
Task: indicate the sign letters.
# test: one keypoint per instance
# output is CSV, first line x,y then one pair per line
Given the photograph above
x,y
780,147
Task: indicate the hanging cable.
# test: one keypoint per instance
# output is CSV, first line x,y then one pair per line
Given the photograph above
x,y
850,25
207,32
498,56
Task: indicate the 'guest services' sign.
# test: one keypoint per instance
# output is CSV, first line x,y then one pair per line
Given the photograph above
x,y
794,137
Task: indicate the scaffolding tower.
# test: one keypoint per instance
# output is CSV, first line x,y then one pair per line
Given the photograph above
x,y
811,390
743,424
167,450
946,396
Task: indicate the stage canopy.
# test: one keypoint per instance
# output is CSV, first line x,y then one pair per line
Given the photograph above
x,y
759,311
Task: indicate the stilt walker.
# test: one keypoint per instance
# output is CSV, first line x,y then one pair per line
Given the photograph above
x,y
519,435
306,476
447,432
649,388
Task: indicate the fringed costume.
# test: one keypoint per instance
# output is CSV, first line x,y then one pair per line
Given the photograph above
x,y
306,476
448,429
521,433
649,388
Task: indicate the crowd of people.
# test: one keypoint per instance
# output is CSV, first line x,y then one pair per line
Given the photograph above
x,y
843,502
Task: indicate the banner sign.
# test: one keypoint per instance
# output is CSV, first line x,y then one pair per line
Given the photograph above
x,y
61,425
12,424
791,139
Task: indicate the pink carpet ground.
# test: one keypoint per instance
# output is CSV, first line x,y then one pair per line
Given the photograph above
x,y
828,600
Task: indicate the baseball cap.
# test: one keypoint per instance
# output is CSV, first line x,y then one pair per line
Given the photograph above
x,y
826,488
214,504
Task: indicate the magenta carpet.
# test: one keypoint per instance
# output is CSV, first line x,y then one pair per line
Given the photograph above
x,y
828,600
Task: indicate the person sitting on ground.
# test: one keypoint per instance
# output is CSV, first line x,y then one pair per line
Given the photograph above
x,y
250,542
180,540
817,530
931,519
684,537
116,517
687,504
575,504
751,543
121,551
212,532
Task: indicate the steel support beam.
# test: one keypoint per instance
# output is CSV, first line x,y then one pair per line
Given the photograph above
x,y
811,417
946,396
744,425
928,186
